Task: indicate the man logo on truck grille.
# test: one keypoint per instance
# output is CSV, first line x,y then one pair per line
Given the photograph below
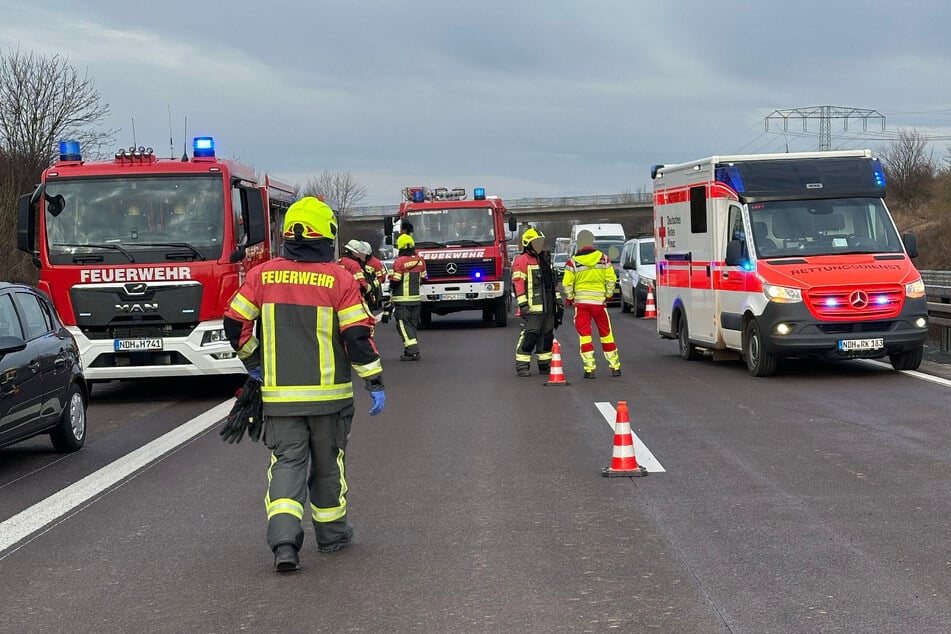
x,y
858,299
451,268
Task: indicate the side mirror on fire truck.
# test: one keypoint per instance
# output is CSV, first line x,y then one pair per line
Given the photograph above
x,y
513,224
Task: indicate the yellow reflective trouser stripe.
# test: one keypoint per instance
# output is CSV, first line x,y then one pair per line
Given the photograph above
x,y
333,513
280,505
368,369
407,341
290,393
609,338
519,355
245,308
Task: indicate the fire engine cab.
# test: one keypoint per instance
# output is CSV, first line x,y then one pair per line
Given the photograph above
x,y
464,245
141,255
785,255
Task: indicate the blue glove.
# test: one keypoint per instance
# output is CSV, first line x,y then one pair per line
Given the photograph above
x,y
255,373
379,401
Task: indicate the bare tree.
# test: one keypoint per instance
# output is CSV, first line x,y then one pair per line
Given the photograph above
x,y
909,165
42,100
340,190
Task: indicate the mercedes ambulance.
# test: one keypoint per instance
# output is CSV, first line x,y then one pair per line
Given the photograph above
x,y
785,255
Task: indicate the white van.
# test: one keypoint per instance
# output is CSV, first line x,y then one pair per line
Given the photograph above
x,y
637,274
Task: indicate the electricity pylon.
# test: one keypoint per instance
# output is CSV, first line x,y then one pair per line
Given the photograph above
x,y
825,114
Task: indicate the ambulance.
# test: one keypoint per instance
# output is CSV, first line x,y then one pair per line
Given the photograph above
x,y
775,256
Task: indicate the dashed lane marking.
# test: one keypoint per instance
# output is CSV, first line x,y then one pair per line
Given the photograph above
x,y
27,522
643,455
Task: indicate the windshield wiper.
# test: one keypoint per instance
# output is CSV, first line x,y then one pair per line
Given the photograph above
x,y
464,243
113,247
186,245
430,243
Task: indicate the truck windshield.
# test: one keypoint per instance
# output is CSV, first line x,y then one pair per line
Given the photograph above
x,y
463,226
794,228
151,218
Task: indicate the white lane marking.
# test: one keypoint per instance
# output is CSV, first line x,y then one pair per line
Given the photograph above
x,y
59,504
642,454
913,373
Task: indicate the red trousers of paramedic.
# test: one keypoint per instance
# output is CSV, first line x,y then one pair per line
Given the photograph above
x,y
584,315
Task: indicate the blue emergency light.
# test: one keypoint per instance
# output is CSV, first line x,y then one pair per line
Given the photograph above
x,y
69,151
478,193
418,195
203,147
878,173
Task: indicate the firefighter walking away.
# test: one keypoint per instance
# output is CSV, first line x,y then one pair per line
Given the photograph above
x,y
539,303
314,330
409,270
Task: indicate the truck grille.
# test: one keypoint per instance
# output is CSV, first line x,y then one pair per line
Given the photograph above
x,y
464,269
841,303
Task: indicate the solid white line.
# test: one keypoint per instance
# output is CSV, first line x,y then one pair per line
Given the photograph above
x,y
55,506
912,373
642,454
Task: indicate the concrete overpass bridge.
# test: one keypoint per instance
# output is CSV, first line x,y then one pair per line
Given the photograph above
x,y
621,208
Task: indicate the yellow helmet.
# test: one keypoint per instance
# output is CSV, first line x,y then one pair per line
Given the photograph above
x,y
530,235
310,219
405,241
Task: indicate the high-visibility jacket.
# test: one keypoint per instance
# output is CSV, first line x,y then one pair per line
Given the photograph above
x,y
529,285
314,328
408,273
589,277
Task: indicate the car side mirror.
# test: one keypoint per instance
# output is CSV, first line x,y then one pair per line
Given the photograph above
x,y
238,254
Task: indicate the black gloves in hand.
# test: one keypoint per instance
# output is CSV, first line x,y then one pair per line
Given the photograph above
x,y
559,315
247,413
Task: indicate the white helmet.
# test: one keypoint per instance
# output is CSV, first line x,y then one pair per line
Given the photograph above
x,y
354,246
367,249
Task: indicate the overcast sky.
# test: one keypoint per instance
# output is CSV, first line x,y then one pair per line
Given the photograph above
x,y
534,98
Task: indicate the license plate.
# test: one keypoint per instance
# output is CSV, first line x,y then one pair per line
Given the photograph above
x,y
851,345
451,296
136,345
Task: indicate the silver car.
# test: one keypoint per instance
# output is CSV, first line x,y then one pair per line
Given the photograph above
x,y
637,274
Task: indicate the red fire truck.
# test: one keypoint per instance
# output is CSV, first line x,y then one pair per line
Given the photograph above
x,y
141,255
463,243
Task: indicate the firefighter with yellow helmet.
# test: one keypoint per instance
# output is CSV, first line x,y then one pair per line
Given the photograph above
x,y
539,303
314,330
409,271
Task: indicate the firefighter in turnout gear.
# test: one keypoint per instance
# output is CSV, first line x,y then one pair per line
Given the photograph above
x,y
539,303
409,270
376,269
354,261
589,283
299,320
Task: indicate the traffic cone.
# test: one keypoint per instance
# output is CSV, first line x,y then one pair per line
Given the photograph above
x,y
650,311
623,463
556,373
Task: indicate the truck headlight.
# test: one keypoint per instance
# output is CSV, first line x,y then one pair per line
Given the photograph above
x,y
214,336
782,294
915,290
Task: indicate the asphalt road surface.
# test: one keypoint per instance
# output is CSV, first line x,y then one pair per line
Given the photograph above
x,y
814,501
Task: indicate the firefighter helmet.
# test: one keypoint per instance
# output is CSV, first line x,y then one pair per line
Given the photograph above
x,y
367,249
354,246
529,239
405,241
310,219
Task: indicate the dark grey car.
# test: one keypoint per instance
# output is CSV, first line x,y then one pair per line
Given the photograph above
x,y
42,389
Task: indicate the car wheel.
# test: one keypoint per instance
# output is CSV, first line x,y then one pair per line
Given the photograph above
x,y
908,360
758,361
688,351
502,312
70,432
625,307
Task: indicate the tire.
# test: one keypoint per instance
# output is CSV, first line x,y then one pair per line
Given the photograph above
x,y
425,317
908,360
501,312
625,307
758,361
639,309
70,432
688,351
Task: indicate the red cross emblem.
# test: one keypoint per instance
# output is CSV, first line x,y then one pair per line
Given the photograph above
x,y
662,233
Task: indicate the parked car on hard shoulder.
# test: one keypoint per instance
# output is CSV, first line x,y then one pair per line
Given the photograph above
x,y
42,388
637,274
558,261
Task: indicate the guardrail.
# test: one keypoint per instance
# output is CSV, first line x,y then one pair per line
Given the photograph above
x,y
938,290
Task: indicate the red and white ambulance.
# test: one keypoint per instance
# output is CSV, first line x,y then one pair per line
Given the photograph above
x,y
785,255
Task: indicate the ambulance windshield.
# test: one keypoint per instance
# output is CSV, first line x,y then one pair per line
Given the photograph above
x,y
796,228
106,217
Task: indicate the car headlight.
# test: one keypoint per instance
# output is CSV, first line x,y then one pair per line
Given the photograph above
x,y
915,290
782,294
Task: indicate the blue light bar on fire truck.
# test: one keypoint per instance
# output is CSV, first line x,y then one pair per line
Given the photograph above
x,y
69,151
478,193
203,147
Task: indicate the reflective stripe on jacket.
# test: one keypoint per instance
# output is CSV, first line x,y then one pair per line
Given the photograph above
x,y
408,273
304,308
528,284
589,277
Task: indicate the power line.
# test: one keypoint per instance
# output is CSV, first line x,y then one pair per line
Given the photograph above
x,y
825,114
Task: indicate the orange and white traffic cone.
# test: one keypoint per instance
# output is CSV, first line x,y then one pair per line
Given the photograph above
x,y
623,463
650,311
556,373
